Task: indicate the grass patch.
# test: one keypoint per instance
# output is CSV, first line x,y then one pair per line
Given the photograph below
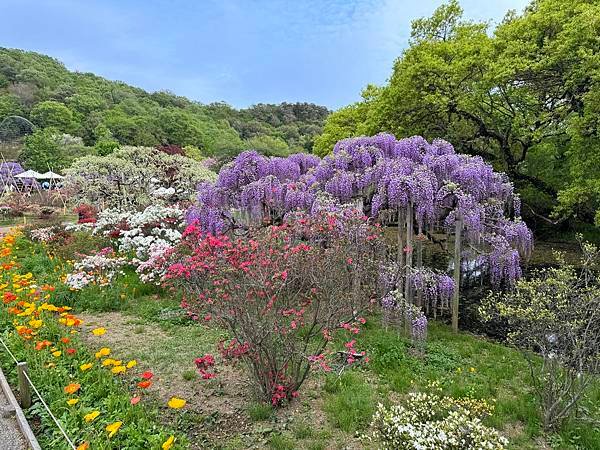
x,y
259,411
302,430
350,402
189,375
281,442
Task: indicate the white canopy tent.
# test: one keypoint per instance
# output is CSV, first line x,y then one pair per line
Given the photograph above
x,y
29,174
50,176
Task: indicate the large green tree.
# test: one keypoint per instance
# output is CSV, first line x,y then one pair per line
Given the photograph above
x,y
524,97
53,114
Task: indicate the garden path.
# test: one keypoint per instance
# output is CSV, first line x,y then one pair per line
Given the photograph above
x,y
10,435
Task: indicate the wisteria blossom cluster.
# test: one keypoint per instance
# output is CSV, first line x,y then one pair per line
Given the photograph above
x,y
99,269
435,422
397,311
388,178
436,288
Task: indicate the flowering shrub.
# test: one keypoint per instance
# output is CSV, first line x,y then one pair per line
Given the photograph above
x,y
99,269
556,314
86,213
45,234
283,292
137,232
126,178
435,422
154,268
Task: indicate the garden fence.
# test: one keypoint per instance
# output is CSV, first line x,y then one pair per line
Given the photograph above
x,y
25,395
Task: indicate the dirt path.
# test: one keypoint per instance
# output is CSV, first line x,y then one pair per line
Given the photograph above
x,y
10,435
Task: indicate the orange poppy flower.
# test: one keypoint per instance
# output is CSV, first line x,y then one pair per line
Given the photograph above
x,y
72,388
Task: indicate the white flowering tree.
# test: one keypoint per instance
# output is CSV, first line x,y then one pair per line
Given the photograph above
x,y
135,177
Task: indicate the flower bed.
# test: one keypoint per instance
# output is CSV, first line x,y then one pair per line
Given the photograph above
x,y
96,397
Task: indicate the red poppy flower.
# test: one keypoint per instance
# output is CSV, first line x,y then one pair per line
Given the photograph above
x,y
147,375
145,384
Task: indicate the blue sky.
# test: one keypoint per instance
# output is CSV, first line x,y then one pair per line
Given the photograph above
x,y
242,52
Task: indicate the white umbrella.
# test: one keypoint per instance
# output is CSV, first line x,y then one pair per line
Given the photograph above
x,y
29,174
51,176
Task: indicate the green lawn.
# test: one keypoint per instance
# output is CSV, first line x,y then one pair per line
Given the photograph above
x,y
333,411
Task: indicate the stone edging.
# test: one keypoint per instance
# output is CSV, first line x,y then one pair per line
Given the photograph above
x,y
28,435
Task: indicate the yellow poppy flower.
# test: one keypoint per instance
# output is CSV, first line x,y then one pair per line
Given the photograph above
x,y
98,331
57,353
168,443
104,351
84,446
85,367
108,362
118,369
176,403
72,401
91,416
36,323
131,364
113,428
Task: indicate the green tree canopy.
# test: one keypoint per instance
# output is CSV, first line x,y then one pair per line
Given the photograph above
x,y
524,97
42,90
53,114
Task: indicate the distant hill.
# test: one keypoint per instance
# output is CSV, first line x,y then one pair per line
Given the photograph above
x,y
42,91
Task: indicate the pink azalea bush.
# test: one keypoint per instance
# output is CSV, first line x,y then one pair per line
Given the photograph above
x,y
283,292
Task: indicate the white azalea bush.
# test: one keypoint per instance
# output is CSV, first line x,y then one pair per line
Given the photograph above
x,y
45,234
431,421
98,269
150,235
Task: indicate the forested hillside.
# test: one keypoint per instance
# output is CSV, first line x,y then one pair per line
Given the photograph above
x,y
524,96
103,113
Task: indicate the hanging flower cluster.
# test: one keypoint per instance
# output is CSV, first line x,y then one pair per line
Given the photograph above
x,y
385,176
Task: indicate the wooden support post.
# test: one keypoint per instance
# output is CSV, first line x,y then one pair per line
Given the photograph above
x,y
24,388
400,251
457,264
419,245
409,253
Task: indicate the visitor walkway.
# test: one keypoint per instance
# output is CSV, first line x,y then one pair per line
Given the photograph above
x,y
10,434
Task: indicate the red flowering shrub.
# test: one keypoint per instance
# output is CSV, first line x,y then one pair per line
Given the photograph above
x,y
86,213
283,292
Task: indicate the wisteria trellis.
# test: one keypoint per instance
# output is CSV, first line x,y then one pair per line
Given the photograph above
x,y
419,185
